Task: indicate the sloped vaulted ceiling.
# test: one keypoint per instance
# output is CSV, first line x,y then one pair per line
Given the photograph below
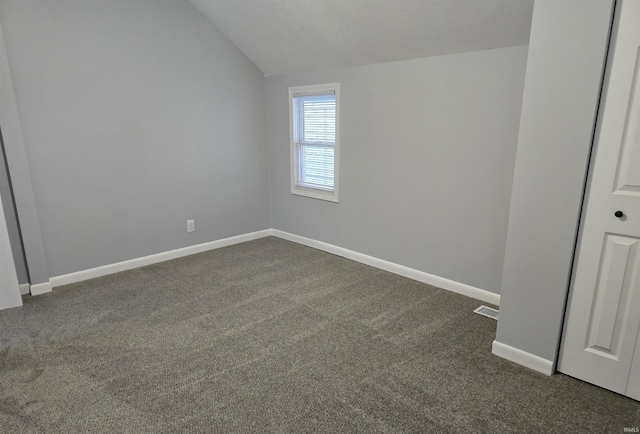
x,y
285,36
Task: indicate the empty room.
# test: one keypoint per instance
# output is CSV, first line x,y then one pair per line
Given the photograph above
x,y
319,216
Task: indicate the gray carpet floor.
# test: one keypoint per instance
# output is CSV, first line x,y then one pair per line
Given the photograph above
x,y
271,336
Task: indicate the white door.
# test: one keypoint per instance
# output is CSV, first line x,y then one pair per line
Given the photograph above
x,y
600,342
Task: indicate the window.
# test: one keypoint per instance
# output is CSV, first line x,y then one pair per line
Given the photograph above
x,y
314,141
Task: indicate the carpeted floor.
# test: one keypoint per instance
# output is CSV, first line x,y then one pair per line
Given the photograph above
x,y
271,336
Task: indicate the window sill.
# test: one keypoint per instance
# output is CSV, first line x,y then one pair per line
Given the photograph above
x,y
315,194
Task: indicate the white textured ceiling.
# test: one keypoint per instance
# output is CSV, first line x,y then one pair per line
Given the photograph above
x,y
285,36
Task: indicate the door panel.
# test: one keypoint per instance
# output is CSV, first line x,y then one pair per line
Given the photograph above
x,y
611,313
628,179
603,313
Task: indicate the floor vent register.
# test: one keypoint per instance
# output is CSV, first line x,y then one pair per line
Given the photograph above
x,y
487,311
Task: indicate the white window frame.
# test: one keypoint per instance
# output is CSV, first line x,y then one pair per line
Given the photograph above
x,y
331,196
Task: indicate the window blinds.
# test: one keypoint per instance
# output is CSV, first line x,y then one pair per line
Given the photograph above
x,y
314,132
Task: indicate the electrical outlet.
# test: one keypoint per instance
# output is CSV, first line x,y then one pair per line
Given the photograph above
x,y
191,225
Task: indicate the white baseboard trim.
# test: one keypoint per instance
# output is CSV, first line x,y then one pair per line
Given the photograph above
x,y
104,270
25,289
41,288
523,358
421,276
411,273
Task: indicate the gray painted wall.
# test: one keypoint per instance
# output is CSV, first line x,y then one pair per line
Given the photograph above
x,y
564,72
137,115
427,156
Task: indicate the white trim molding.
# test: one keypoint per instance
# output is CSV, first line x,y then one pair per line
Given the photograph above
x,y
41,288
531,361
411,273
104,270
25,289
